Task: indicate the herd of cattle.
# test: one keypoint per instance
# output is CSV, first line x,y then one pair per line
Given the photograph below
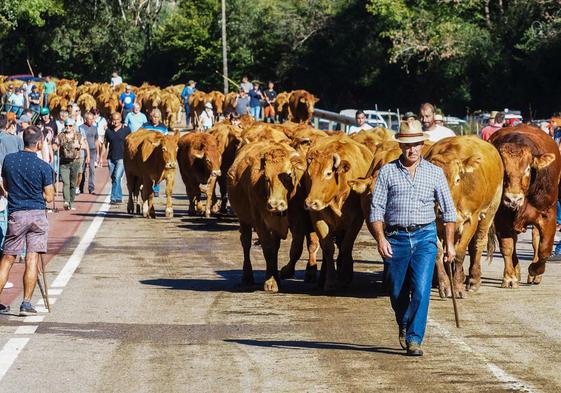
x,y
317,185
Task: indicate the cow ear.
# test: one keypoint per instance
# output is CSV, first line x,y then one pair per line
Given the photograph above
x,y
543,160
344,166
316,100
470,164
360,185
297,163
148,148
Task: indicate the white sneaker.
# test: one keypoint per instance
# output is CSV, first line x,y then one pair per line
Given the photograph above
x,y
66,206
77,192
8,285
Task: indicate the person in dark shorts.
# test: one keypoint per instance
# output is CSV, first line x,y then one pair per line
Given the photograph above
x,y
29,183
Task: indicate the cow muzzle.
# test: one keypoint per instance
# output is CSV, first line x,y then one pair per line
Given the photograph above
x,y
277,207
513,201
216,173
314,204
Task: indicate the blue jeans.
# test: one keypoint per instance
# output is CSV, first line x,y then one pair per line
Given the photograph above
x,y
187,120
409,277
116,170
255,112
558,245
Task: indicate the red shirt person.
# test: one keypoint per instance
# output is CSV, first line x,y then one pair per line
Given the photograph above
x,y
496,122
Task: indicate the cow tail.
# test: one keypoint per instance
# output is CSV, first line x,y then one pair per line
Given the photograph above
x,y
491,244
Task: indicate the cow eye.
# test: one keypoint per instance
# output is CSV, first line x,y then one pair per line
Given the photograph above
x,y
457,180
328,173
528,171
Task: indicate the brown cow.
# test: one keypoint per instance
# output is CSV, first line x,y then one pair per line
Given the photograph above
x,y
150,157
263,132
229,101
301,105
532,168
86,102
371,138
196,104
170,106
282,107
474,171
265,193
335,209
216,98
228,138
199,163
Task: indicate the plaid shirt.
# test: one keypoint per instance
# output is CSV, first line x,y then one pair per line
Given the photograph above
x,y
398,199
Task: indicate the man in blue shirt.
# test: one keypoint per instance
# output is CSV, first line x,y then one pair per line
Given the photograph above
x,y
34,99
402,220
185,94
136,118
127,100
29,183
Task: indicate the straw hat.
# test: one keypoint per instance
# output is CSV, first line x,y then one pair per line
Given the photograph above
x,y
411,133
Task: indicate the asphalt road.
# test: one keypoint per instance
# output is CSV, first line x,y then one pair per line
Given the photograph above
x,y
156,306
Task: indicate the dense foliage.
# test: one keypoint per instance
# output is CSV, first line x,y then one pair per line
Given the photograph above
x,y
461,54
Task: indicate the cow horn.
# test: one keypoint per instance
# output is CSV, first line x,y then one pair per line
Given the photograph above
x,y
336,160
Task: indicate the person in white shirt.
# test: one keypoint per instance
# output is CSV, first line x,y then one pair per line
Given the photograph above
x,y
207,117
360,118
433,130
116,80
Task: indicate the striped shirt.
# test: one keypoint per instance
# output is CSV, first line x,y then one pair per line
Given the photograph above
x,y
398,199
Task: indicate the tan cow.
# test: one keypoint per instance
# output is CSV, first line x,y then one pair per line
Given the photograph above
x,y
199,164
474,171
229,139
301,105
216,98
264,132
150,157
86,102
229,101
532,167
196,104
265,193
282,108
334,208
170,107
371,138
108,103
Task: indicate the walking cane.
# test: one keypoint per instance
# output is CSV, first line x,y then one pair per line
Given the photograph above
x,y
450,276
43,287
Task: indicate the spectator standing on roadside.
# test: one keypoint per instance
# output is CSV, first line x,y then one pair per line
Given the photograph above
x,y
270,99
89,130
23,122
34,99
101,125
127,100
6,96
246,84
409,117
46,153
185,94
49,88
255,97
17,100
242,103
207,117
496,122
114,144
136,118
116,80
29,182
433,130
62,116
360,118
70,143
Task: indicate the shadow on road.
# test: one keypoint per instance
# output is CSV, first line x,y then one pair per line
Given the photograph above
x,y
364,285
293,344
209,224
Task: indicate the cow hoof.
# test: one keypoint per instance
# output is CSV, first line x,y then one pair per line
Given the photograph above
x,y
536,280
311,275
287,272
169,212
510,283
460,294
444,291
473,285
271,285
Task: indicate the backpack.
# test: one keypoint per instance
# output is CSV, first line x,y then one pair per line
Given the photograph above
x,y
70,147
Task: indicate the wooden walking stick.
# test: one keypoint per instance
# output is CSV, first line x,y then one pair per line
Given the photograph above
x,y
450,276
44,288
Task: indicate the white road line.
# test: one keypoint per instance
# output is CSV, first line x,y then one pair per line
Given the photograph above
x,y
27,329
55,291
10,352
70,267
34,319
510,382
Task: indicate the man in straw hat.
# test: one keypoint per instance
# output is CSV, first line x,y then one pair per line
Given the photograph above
x,y
402,220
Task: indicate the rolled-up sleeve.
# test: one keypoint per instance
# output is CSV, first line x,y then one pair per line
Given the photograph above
x,y
444,198
379,198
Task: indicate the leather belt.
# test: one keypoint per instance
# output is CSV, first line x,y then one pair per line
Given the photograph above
x,y
410,228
